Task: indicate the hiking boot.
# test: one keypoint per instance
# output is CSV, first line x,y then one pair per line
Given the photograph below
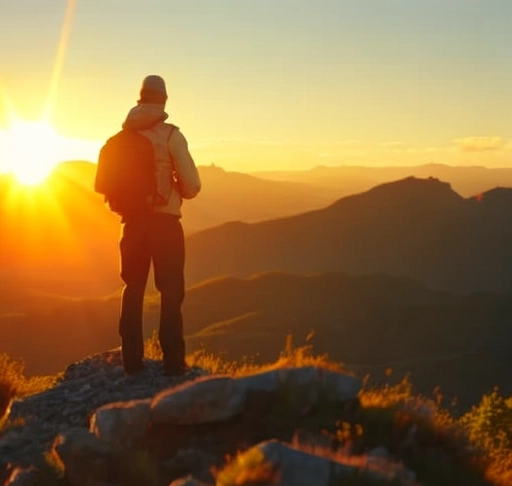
x,y
175,370
134,370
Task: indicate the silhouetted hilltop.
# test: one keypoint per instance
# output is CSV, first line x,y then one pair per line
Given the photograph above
x,y
465,180
61,237
228,196
499,198
370,322
411,228
430,192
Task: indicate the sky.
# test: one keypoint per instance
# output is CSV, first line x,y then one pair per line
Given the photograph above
x,y
270,84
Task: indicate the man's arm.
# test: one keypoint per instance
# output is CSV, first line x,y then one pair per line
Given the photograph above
x,y
187,175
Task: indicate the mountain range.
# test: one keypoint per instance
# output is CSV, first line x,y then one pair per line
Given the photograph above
x,y
408,274
465,180
415,228
61,238
460,343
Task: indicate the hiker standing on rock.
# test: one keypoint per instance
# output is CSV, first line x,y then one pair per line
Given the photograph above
x,y
155,236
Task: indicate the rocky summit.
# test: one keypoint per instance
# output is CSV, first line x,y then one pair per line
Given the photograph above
x,y
83,387
97,426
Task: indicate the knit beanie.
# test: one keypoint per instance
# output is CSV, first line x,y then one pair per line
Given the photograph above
x,y
153,90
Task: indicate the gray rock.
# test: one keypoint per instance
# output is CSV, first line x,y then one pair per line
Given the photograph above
x,y
332,385
267,381
84,387
206,400
94,414
87,460
294,467
303,388
188,481
122,423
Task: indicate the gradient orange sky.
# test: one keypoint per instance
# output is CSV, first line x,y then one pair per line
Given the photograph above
x,y
271,84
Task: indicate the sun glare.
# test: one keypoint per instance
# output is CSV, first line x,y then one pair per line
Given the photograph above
x,y
31,151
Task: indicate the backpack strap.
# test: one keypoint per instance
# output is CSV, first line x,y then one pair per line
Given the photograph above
x,y
171,130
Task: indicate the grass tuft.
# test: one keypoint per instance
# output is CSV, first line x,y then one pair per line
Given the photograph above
x,y
474,449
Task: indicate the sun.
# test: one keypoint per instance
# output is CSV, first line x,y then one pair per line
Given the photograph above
x,y
31,150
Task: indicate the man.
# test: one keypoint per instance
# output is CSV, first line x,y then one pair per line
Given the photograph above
x,y
157,237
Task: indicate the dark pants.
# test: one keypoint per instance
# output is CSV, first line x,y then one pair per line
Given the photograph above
x,y
158,239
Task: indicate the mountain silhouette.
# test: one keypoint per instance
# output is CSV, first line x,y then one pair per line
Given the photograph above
x,y
232,196
61,238
416,228
457,342
372,322
465,180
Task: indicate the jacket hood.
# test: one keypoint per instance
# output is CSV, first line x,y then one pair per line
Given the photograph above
x,y
145,115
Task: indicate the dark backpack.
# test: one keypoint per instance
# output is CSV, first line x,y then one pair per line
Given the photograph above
x,y
125,173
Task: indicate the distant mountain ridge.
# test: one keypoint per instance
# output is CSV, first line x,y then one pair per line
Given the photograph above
x,y
416,228
369,322
465,180
63,239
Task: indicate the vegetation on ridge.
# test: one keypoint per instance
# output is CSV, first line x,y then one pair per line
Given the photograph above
x,y
14,383
442,448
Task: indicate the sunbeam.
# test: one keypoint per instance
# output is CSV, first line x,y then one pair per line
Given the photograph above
x,y
59,58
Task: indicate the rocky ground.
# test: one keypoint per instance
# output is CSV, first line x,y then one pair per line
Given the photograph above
x,y
84,387
284,426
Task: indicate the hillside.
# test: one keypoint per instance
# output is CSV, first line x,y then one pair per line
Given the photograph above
x,y
460,343
301,420
465,180
61,238
234,196
414,228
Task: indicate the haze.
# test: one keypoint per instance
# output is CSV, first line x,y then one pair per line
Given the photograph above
x,y
272,84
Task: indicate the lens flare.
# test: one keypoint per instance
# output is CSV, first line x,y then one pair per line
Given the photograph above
x,y
31,151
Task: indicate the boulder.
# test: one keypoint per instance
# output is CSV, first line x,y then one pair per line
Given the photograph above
x,y
330,385
282,465
188,481
301,389
87,459
205,400
122,423
267,381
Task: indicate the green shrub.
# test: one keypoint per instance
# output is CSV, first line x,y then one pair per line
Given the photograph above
x,y
489,426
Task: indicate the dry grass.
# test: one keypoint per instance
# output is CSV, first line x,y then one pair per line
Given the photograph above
x,y
14,383
249,468
484,432
397,407
291,356
489,427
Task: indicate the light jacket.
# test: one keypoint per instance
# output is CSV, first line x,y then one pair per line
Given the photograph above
x,y
177,177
